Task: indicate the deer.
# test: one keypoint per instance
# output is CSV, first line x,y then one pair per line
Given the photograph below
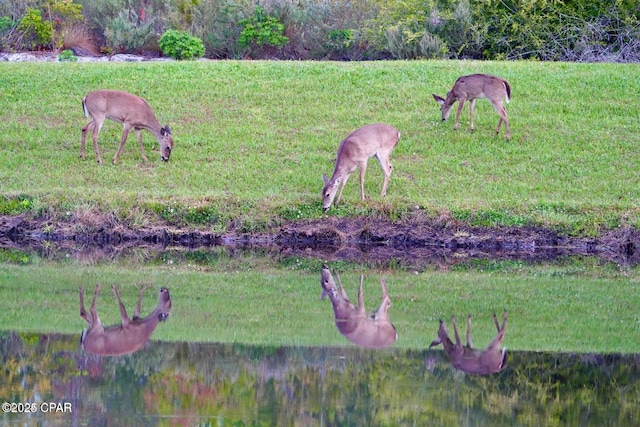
x,y
129,336
477,86
471,360
374,331
377,140
130,110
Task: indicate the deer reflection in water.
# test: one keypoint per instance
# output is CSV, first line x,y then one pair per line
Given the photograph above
x,y
471,360
374,331
128,337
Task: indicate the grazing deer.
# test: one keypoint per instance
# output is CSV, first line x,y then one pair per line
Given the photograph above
x,y
127,337
477,86
471,360
132,111
374,331
377,140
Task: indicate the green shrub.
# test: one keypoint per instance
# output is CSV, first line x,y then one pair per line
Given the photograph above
x,y
181,45
15,206
127,32
36,31
262,30
338,42
67,56
6,24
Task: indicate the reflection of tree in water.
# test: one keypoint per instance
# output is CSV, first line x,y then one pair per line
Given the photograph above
x,y
196,383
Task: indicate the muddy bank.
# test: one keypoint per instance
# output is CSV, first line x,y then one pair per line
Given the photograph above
x,y
410,244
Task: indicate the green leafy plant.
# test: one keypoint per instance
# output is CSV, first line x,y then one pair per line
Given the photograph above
x,y
15,206
6,23
36,32
67,56
262,30
338,42
181,45
44,27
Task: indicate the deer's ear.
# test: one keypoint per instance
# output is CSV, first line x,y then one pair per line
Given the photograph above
x,y
325,179
165,130
438,99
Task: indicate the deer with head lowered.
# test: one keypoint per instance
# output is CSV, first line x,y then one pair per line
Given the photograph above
x,y
377,140
131,335
130,110
477,86
471,360
374,331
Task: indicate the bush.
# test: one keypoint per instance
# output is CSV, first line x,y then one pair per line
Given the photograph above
x,y
216,23
338,42
579,30
35,31
127,32
181,45
261,30
67,56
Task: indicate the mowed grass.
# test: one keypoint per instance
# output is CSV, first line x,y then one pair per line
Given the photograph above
x,y
253,138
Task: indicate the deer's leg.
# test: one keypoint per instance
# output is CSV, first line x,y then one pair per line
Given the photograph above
x,y
386,169
342,293
94,314
88,127
361,309
506,123
504,321
136,315
472,105
83,311
342,184
460,105
125,134
469,344
139,135
501,330
455,331
502,112
97,125
123,311
363,172
386,301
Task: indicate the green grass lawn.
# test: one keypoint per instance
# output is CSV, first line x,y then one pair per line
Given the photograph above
x,y
253,138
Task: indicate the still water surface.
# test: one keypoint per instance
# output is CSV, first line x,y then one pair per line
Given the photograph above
x,y
238,383
190,384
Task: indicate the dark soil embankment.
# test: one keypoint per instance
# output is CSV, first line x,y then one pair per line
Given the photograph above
x,y
409,244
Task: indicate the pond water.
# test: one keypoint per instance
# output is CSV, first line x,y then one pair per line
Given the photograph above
x,y
183,383
249,341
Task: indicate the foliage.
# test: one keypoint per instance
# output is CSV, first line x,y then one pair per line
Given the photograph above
x,y
44,26
35,31
181,45
15,205
63,14
261,30
128,32
67,56
349,29
581,30
187,9
215,22
6,23
338,42
329,385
